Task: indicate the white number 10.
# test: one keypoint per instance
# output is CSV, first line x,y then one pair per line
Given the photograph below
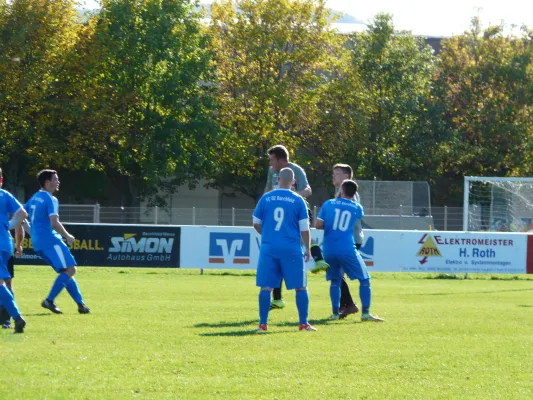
x,y
279,214
342,220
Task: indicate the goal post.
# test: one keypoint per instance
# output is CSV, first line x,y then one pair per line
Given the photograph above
x,y
498,204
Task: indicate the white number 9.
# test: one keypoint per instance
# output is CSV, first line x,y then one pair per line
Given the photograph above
x,y
279,214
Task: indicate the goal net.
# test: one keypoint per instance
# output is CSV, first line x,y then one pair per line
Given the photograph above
x,y
395,197
498,204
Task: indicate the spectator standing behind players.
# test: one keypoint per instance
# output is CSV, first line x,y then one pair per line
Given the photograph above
x,y
47,233
282,220
278,159
5,318
338,218
9,205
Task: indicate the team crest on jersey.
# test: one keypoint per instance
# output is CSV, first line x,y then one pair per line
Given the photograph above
x,y
229,248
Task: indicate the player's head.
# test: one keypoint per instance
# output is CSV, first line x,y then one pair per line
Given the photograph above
x,y
278,157
48,180
286,178
341,172
348,189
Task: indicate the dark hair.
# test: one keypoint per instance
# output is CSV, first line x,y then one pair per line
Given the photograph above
x,y
45,175
280,152
345,168
349,188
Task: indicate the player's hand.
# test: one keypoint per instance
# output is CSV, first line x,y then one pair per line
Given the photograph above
x,y
70,239
307,256
18,251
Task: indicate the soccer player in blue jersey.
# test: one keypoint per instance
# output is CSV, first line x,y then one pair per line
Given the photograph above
x,y
47,233
9,205
278,157
338,217
281,219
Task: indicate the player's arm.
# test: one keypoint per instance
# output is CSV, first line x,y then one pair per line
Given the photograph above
x,y
304,231
301,182
17,218
26,226
16,223
305,192
358,234
306,240
319,224
257,225
19,237
59,228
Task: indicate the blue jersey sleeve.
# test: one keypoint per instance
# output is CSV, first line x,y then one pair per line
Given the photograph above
x,y
12,204
52,205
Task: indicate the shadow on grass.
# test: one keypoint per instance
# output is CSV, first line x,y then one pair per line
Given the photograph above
x,y
525,305
251,332
225,324
39,315
470,292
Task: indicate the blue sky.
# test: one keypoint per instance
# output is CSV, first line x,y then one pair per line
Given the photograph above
x,y
430,17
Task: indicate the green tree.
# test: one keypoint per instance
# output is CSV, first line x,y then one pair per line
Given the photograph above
x,y
35,35
147,105
272,62
377,110
484,90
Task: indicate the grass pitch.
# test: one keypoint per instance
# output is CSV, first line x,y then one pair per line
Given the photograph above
x,y
176,334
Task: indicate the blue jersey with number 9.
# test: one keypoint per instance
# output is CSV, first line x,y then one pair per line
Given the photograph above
x,y
280,212
339,216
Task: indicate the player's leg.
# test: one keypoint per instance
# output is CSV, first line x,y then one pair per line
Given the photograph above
x,y
5,318
316,253
335,296
293,270
347,305
268,274
277,298
357,270
6,297
60,258
334,275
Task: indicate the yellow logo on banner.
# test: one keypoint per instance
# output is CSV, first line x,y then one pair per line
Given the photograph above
x,y
429,249
129,235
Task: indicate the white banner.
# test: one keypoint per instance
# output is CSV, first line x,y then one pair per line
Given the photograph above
x,y
384,251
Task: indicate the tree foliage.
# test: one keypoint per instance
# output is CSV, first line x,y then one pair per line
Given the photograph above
x,y
272,61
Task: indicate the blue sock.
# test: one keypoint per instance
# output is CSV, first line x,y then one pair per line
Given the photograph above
x,y
335,295
264,306
61,281
74,291
7,300
365,293
302,303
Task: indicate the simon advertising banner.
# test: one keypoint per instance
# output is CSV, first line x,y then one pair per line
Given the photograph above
x,y
119,245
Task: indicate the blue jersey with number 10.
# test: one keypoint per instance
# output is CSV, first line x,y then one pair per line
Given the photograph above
x,y
280,212
40,207
339,216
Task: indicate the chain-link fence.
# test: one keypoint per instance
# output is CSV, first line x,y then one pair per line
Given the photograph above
x,y
444,218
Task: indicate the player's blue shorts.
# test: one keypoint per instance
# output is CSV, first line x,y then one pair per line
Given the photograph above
x,y
58,255
4,257
271,268
352,264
